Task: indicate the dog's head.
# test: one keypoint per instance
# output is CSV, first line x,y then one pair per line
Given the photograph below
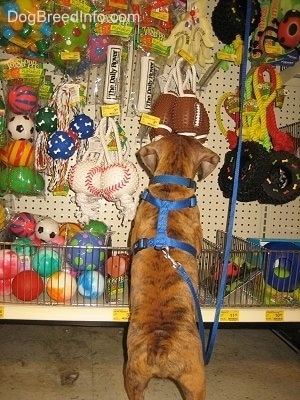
x,y
180,155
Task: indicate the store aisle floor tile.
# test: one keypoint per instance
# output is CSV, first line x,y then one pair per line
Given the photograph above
x,y
48,362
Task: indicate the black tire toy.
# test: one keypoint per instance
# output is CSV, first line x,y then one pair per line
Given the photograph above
x,y
254,166
229,19
282,183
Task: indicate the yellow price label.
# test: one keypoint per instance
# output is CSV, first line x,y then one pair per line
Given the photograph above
x,y
150,120
1,312
161,15
187,56
274,315
110,110
229,316
226,56
70,55
121,314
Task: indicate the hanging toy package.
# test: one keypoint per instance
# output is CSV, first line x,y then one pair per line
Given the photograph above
x,y
61,129
104,174
192,36
22,78
156,21
69,38
276,38
24,32
109,50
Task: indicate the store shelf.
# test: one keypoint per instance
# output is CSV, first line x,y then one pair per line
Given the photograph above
x,y
121,314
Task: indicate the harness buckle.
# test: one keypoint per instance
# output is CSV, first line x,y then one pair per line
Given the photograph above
x,y
166,252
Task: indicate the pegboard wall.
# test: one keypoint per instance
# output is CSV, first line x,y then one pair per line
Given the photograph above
x,y
252,219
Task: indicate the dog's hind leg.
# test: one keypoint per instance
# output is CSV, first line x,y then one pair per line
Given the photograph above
x,y
192,387
135,384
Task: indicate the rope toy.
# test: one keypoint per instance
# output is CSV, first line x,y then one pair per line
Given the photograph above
x,y
119,179
235,12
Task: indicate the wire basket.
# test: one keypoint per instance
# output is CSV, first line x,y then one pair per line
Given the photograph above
x,y
98,276
256,276
294,131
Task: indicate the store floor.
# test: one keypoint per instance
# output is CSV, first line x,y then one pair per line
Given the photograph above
x,y
41,362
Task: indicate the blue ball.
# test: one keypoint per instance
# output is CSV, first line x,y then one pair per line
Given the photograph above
x,y
11,9
83,126
84,251
61,145
90,284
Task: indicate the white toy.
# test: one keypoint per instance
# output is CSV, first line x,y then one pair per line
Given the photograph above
x,y
20,127
46,229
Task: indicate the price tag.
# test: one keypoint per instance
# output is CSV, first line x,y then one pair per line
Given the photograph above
x,y
187,56
275,315
110,110
149,120
70,55
121,314
1,312
229,316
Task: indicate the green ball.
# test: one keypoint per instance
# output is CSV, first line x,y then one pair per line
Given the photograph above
x,y
4,174
39,184
21,180
46,120
46,262
97,228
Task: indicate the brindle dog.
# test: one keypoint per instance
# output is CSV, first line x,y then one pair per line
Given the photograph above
x,y
163,340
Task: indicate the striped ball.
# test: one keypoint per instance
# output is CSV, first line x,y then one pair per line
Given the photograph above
x,y
23,224
20,153
22,99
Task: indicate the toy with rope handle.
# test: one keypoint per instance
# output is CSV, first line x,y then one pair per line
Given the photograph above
x,y
280,140
119,179
230,135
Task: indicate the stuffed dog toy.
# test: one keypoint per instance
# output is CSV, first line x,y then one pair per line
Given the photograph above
x,y
163,339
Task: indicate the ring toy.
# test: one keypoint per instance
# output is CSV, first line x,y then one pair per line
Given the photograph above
x,y
235,11
283,266
253,171
282,183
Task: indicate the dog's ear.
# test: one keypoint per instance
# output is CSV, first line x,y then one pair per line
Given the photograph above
x,y
148,157
208,161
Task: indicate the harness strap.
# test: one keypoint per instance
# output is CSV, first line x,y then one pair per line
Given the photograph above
x,y
176,180
161,239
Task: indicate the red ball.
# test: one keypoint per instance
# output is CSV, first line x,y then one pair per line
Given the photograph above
x,y
27,285
289,30
22,99
23,224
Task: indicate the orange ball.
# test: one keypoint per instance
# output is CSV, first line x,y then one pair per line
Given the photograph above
x,y
20,153
69,229
116,265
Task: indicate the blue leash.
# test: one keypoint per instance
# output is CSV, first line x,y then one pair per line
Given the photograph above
x,y
232,205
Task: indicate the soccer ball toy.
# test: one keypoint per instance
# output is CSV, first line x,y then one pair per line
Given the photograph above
x,y
46,229
20,127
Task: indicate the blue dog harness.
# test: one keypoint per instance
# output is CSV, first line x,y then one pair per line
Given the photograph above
x,y
162,240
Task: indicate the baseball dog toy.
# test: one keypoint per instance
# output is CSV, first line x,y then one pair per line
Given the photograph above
x,y
119,178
